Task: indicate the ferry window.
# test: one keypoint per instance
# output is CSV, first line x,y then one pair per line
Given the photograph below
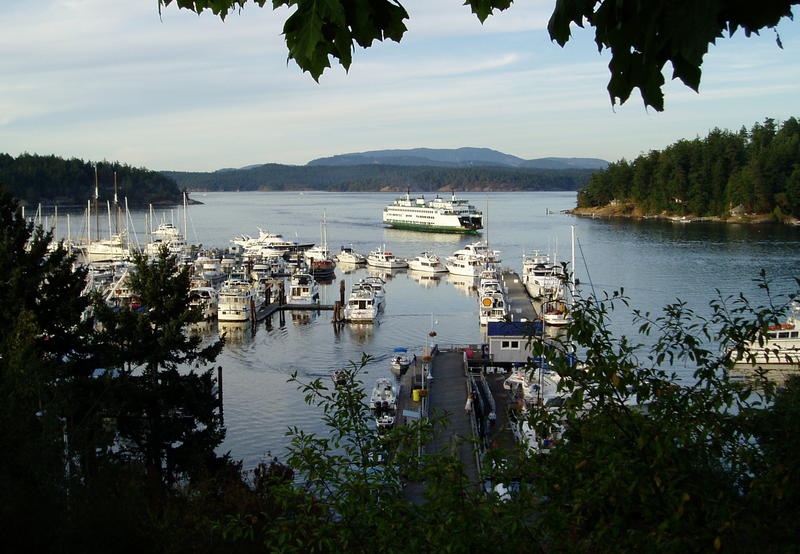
x,y
515,344
504,344
793,335
783,335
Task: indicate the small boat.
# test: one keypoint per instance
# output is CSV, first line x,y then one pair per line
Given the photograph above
x,y
383,403
400,361
427,262
383,258
349,256
303,289
556,314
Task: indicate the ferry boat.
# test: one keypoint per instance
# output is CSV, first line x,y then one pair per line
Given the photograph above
x,y
438,215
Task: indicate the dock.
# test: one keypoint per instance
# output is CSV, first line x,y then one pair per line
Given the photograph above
x,y
456,372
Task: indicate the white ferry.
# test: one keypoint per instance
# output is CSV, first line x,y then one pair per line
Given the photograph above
x,y
438,215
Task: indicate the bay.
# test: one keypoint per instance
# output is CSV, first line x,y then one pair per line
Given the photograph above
x,y
654,261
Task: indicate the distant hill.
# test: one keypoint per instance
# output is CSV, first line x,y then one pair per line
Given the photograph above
x,y
455,157
383,177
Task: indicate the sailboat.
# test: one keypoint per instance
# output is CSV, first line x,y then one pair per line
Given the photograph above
x,y
115,247
319,258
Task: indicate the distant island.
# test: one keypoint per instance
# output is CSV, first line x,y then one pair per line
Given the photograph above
x,y
51,180
420,169
745,176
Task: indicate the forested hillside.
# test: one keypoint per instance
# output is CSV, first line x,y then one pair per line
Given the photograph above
x,y
755,171
52,180
382,177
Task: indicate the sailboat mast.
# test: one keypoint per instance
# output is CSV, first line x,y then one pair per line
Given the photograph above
x,y
572,277
185,216
116,206
96,204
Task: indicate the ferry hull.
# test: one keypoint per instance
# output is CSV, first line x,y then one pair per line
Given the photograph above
x,y
431,228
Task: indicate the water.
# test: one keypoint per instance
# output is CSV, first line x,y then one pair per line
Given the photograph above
x,y
656,262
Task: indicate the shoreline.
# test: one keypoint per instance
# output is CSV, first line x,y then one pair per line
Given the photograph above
x,y
630,212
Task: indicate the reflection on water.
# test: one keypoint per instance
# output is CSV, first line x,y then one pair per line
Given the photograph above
x,y
467,285
236,332
776,374
425,279
361,332
384,273
303,317
346,268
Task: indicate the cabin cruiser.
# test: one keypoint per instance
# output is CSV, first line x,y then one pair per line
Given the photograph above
x,y
382,258
349,256
493,307
541,277
239,300
303,289
205,300
465,264
427,262
779,347
362,305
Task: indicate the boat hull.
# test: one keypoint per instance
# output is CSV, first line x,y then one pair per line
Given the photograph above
x,y
431,228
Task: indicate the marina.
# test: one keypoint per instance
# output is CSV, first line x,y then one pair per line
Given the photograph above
x,y
654,261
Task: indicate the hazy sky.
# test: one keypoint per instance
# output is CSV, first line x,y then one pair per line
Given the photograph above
x,y
110,79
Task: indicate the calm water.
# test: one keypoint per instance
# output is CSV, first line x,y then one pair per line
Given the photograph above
x,y
656,262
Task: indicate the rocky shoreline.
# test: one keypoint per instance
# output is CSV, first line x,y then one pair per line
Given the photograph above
x,y
631,212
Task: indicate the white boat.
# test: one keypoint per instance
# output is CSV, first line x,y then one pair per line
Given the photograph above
x,y
382,258
383,403
362,305
113,248
165,235
465,264
239,300
438,215
427,262
378,285
400,361
349,256
541,277
205,300
493,307
480,249
556,314
303,289
779,347
264,245
208,273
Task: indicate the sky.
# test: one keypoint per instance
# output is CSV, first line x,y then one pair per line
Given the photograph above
x,y
116,80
